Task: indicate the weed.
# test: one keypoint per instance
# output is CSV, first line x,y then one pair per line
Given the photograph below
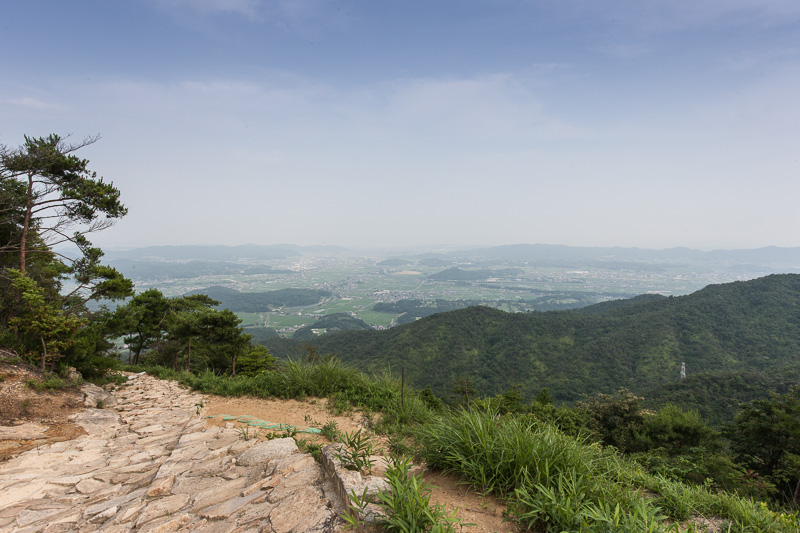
x,y
50,382
244,433
307,446
289,432
339,405
197,407
100,404
398,445
407,505
24,405
357,451
330,430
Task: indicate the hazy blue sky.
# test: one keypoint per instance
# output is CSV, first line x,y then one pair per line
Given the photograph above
x,y
630,123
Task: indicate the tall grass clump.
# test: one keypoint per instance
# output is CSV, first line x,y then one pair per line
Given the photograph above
x,y
294,379
406,506
555,482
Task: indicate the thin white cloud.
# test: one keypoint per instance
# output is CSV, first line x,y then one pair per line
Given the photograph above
x,y
648,16
35,103
248,8
297,15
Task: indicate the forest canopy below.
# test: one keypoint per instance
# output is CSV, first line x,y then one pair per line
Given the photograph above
x,y
738,340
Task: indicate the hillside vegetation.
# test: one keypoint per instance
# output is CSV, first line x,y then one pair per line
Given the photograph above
x,y
553,478
739,341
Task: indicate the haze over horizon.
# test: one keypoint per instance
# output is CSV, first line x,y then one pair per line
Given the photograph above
x,y
471,122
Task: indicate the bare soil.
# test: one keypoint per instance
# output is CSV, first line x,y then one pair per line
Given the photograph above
x,y
29,418
485,514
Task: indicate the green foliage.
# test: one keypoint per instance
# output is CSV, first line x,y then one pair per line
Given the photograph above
x,y
42,319
48,196
742,329
186,332
245,434
765,436
257,359
356,452
294,379
308,446
554,482
407,505
331,323
673,430
615,418
50,382
330,430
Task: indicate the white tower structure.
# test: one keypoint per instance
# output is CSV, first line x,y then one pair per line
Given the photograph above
x,y
683,370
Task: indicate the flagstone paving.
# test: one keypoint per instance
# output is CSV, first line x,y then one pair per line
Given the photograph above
x,y
149,462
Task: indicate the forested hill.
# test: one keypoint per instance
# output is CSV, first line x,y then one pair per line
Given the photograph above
x,y
720,332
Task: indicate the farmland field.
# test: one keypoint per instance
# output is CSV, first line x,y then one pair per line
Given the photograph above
x,y
354,284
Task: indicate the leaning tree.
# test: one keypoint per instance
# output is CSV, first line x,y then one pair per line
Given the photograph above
x,y
48,197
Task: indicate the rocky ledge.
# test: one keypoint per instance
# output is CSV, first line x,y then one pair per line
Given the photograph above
x,y
149,462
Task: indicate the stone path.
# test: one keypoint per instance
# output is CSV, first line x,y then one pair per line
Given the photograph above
x,y
150,463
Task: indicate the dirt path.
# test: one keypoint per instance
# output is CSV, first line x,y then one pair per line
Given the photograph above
x,y
152,461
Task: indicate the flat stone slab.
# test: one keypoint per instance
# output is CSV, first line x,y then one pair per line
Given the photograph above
x,y
28,431
153,464
96,420
262,453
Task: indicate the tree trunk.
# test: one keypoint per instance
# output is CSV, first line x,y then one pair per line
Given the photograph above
x,y
44,352
23,240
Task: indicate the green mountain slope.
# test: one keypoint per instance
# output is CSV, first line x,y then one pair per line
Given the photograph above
x,y
751,327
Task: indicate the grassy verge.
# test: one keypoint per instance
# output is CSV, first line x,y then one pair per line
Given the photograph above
x,y
554,482
551,481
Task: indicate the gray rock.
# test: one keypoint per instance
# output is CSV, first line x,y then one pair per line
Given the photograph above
x,y
95,397
263,452
96,420
162,507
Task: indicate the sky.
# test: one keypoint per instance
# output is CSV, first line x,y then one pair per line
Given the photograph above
x,y
370,123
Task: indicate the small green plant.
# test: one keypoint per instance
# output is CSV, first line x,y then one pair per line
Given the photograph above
x,y
244,433
24,405
339,405
197,407
100,404
307,446
398,445
50,382
357,451
407,505
289,432
330,430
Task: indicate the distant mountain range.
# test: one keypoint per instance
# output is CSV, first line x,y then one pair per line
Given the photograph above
x,y
543,254
221,253
554,252
739,340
